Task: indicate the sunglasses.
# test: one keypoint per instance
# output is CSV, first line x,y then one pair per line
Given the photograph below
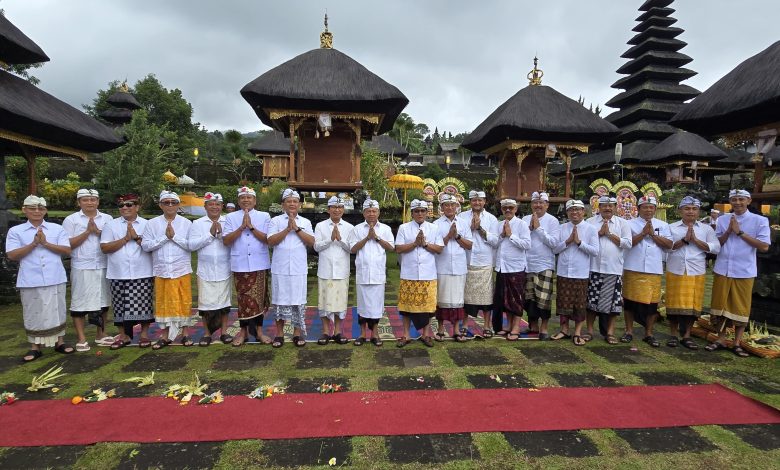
x,y
125,204
170,203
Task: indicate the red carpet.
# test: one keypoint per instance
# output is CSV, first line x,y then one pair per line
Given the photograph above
x,y
58,422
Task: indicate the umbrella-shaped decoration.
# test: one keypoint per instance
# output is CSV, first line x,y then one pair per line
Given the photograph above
x,y
405,182
169,177
185,180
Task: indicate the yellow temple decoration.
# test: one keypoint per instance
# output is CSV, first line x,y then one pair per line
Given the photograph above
x,y
535,75
169,177
326,37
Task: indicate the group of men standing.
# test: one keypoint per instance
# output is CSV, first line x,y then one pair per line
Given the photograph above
x,y
605,266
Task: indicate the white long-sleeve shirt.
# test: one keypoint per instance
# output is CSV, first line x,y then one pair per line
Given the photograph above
x,y
453,258
130,261
371,260
543,238
574,260
512,251
41,267
483,250
646,256
213,255
610,257
289,256
247,253
87,255
418,264
170,257
689,259
333,255
737,259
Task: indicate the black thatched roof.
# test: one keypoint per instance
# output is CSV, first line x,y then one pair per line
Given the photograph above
x,y
540,113
30,112
654,44
117,115
388,145
123,99
649,72
16,48
324,80
746,97
654,21
655,4
632,152
655,11
272,143
684,146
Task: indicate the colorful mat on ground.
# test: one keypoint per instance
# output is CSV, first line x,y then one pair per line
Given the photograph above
x,y
390,327
293,416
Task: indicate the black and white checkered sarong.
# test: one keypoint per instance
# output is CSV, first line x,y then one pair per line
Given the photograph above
x,y
133,300
605,293
539,288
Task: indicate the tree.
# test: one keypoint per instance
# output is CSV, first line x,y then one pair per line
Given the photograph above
x,y
241,159
373,173
138,166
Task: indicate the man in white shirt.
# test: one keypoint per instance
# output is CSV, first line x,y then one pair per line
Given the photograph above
x,y
90,295
245,232
540,264
39,246
605,286
578,242
214,279
165,237
129,271
478,295
330,241
370,240
417,243
514,241
741,235
289,234
643,268
686,266
451,268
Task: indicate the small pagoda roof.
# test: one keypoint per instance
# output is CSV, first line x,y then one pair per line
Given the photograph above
x,y
666,32
31,116
117,115
655,4
654,21
746,97
16,48
646,129
272,143
387,145
123,99
653,89
659,72
654,44
539,113
324,80
655,11
448,146
632,152
674,59
684,146
645,109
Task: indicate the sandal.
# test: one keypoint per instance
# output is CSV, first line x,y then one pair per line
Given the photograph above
x,y
739,352
83,347
611,340
627,338
338,339
63,348
359,341
161,343
376,342
144,343
225,338
502,333
278,342
323,340
33,354
119,344
714,346
651,341
205,341
673,342
105,341
512,337
461,338
427,340
578,340
440,336
560,335
186,341
402,341
543,337
690,344
298,341
587,337
488,333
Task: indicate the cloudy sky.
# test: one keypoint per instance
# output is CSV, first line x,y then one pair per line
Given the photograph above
x,y
456,61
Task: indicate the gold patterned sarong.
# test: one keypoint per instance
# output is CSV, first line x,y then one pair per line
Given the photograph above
x,y
684,294
641,288
173,300
417,296
732,298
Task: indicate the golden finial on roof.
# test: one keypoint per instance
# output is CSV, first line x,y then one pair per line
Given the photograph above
x,y
123,87
326,37
535,75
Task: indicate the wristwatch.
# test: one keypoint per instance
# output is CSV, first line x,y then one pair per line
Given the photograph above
x,y
298,229
740,233
251,229
458,237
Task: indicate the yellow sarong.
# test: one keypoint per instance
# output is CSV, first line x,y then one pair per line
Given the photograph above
x,y
684,294
173,300
417,296
642,288
732,298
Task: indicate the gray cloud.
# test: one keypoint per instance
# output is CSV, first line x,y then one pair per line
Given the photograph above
x,y
455,61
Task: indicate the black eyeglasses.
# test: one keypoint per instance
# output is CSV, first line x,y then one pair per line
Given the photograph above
x,y
169,203
125,204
